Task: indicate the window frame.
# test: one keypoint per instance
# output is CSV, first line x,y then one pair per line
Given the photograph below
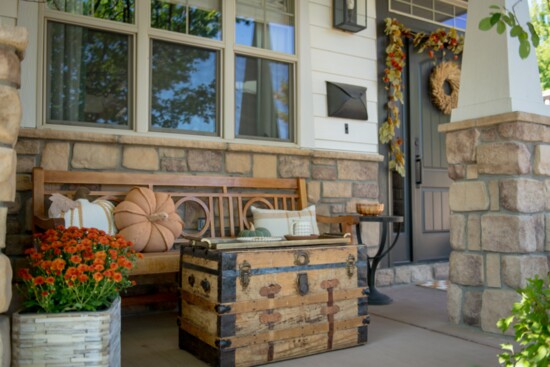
x,y
142,36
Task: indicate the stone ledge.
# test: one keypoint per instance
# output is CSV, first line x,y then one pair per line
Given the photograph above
x,y
495,120
53,134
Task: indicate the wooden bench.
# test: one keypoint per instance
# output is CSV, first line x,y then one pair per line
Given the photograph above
x,y
225,204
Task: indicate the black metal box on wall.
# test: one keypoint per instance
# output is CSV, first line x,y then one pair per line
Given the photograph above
x,y
347,101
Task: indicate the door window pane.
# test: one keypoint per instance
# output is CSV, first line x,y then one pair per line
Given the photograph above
x,y
117,10
184,82
266,24
198,18
263,99
88,76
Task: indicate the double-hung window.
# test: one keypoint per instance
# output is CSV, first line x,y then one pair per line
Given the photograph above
x,y
163,66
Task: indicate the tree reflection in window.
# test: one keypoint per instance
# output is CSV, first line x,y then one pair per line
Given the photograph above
x,y
87,75
184,82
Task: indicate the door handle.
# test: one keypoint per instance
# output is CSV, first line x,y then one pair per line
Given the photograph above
x,y
417,162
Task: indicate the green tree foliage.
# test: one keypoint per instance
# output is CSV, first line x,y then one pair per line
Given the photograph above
x,y
540,18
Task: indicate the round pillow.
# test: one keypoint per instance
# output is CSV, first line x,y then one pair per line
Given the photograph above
x,y
446,72
148,219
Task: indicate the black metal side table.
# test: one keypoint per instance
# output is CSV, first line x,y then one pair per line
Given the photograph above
x,y
375,297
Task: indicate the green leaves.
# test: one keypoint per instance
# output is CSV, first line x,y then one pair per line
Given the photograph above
x,y
504,18
532,332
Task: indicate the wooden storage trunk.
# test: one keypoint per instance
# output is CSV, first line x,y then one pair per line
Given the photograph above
x,y
250,306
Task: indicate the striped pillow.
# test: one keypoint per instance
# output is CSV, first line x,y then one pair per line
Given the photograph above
x,y
279,222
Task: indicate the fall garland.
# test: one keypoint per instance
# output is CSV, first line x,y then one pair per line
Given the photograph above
x,y
438,42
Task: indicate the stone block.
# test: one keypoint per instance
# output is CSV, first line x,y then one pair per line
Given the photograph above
x,y
508,158
313,191
456,171
10,115
96,156
336,189
3,226
547,221
205,161
471,308
516,269
15,206
521,131
25,163
489,134
5,282
466,268
55,156
461,146
472,172
292,166
264,166
365,190
454,303
403,274
357,170
16,244
494,196
8,164
140,158
240,163
23,182
10,67
474,232
542,160
324,173
547,194
511,233
492,270
468,196
323,161
421,273
5,341
441,271
522,195
173,165
28,146
370,235
384,277
458,230
172,153
495,305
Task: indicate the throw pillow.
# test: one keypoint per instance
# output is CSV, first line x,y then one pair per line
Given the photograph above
x,y
279,222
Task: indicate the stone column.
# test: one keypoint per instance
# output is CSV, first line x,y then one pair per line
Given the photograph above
x,y
500,212
13,42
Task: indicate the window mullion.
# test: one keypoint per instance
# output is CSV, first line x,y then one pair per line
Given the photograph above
x,y
142,71
228,71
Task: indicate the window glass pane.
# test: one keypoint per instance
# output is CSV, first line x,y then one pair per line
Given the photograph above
x,y
117,10
199,18
266,24
87,76
184,82
263,99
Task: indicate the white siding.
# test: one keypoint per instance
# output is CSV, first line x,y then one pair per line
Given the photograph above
x,y
349,58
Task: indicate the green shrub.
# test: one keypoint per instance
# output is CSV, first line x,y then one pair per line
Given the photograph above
x,y
530,318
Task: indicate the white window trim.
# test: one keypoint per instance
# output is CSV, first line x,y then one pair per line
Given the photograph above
x,y
33,17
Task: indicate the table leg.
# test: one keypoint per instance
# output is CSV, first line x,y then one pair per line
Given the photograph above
x,y
375,297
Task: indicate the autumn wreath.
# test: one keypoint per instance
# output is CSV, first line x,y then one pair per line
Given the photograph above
x,y
445,73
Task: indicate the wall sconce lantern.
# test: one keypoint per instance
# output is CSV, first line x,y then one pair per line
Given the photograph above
x,y
350,15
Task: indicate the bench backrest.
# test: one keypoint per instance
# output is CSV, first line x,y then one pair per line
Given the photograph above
x,y
225,201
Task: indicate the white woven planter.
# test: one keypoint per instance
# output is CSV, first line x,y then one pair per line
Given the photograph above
x,y
67,339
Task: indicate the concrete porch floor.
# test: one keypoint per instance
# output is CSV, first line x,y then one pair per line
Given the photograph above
x,y
413,331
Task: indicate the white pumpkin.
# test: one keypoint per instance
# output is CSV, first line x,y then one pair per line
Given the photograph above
x,y
96,214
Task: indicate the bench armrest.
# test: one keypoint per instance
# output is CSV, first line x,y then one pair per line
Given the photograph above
x,y
346,223
41,223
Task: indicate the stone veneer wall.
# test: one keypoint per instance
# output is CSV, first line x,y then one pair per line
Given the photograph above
x,y
13,42
500,221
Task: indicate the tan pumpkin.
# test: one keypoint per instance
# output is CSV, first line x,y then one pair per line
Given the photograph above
x,y
148,219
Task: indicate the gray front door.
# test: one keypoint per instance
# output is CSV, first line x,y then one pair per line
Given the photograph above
x,y
429,177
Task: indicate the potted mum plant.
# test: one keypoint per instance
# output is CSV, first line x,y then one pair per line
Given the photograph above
x,y
72,307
